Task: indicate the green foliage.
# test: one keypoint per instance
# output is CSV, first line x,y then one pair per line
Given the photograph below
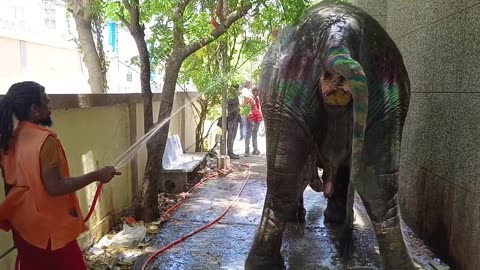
x,y
113,8
160,41
244,43
96,7
293,10
248,38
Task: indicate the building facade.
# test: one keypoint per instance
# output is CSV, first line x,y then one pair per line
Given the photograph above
x,y
37,43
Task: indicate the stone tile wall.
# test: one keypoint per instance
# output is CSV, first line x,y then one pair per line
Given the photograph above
x,y
440,182
376,8
440,168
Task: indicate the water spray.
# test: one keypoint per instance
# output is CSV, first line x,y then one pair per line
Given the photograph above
x,y
128,155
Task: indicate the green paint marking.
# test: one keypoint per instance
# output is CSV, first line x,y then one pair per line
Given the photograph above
x,y
293,91
337,51
394,95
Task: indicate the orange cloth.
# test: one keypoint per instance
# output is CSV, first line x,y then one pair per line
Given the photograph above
x,y
49,155
28,208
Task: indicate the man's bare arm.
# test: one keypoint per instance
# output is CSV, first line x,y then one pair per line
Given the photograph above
x,y
56,185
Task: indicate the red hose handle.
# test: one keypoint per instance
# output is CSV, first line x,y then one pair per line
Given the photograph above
x,y
94,202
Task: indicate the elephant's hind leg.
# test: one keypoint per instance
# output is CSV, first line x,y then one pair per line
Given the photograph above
x,y
379,195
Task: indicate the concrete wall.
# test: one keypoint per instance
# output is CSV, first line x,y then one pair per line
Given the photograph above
x,y
183,123
440,194
376,8
95,130
441,151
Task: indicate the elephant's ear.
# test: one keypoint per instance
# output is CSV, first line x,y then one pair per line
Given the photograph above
x,y
338,60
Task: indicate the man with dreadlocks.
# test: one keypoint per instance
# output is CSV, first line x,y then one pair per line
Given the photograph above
x,y
40,207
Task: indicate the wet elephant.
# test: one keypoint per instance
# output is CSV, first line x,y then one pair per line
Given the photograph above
x,y
335,94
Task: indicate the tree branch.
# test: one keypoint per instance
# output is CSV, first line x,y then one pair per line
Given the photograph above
x,y
127,5
240,52
177,25
133,8
217,32
180,9
232,50
246,60
121,16
87,15
219,10
189,98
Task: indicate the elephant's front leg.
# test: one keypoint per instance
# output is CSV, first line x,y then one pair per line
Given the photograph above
x,y
286,157
265,251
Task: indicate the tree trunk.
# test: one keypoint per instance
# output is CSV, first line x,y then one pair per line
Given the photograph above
x,y
83,22
147,199
170,80
199,144
139,38
147,209
148,206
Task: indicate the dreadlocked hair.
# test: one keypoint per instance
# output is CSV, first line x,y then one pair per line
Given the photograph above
x,y
17,102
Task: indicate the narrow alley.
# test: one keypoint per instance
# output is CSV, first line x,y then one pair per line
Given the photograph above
x,y
225,245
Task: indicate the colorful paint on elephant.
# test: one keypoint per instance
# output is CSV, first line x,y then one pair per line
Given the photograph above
x,y
294,93
335,96
338,60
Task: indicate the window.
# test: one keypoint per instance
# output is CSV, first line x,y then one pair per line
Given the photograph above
x,y
50,15
18,13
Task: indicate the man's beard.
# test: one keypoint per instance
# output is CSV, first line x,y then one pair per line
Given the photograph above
x,y
46,122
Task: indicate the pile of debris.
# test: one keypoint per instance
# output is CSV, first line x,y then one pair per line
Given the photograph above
x,y
120,248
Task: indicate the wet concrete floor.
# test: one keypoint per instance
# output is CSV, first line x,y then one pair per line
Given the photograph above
x,y
225,245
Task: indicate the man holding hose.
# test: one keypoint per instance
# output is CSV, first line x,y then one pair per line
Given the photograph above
x,y
40,207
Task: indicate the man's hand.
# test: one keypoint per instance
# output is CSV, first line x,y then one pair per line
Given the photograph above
x,y
107,173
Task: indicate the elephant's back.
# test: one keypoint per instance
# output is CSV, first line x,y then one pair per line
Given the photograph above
x,y
293,64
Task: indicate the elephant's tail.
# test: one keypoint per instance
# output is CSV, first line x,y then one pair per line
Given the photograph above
x,y
339,60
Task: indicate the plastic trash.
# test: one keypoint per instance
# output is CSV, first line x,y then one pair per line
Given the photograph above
x,y
129,236
98,248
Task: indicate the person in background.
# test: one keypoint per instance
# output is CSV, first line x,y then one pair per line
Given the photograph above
x,y
40,208
233,119
254,118
245,93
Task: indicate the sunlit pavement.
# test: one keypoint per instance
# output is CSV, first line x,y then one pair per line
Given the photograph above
x,y
225,245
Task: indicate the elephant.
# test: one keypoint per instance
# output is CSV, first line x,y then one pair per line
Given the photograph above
x,y
335,93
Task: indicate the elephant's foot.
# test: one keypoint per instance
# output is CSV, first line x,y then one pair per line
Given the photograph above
x,y
257,262
394,251
265,251
334,216
299,216
335,213
346,242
